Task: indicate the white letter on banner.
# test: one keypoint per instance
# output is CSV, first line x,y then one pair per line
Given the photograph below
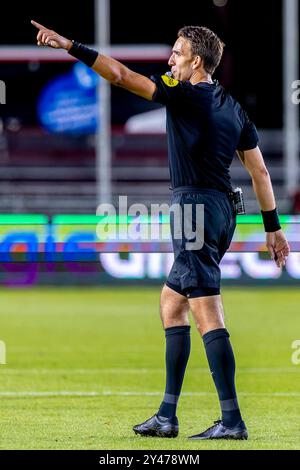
x,y
230,269
258,268
293,265
131,268
154,267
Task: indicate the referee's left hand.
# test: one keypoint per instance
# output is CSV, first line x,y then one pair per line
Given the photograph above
x,y
48,37
278,247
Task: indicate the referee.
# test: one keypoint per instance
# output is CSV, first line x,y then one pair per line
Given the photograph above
x,y
205,128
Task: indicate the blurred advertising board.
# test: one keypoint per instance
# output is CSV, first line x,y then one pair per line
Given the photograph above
x,y
70,249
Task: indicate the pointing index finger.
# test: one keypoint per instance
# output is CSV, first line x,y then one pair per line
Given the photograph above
x,y
37,25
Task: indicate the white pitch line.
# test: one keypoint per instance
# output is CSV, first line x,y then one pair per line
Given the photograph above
x,y
61,393
114,370
67,393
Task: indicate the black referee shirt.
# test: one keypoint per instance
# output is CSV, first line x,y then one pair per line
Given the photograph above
x,y
205,127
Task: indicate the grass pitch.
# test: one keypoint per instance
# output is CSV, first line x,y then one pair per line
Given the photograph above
x,y
85,365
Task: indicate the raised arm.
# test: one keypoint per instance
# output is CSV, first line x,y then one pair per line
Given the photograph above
x,y
275,239
110,69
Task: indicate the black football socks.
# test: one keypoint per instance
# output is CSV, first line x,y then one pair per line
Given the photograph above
x,y
222,366
178,345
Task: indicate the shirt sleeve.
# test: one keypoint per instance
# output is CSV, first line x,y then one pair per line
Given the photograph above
x,y
249,136
168,89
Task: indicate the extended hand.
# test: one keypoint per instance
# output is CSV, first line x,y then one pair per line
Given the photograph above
x,y
47,37
278,247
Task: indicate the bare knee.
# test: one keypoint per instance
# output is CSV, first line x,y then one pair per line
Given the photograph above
x,y
208,313
174,308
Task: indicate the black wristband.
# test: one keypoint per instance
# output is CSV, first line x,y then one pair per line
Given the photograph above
x,y
271,220
84,54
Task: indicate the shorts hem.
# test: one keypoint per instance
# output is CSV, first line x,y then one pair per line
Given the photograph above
x,y
194,292
175,288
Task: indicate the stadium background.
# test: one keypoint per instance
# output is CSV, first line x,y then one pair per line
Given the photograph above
x,y
84,345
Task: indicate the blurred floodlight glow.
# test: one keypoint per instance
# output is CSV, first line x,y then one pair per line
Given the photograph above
x,y
220,3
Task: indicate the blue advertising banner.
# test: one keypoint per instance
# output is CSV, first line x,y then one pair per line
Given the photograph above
x,y
68,103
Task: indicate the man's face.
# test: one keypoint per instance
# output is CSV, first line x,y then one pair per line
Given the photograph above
x,y
181,60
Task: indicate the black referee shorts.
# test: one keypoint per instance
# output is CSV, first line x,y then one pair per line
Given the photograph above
x,y
196,273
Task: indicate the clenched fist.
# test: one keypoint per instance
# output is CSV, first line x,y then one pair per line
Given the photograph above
x,y
48,37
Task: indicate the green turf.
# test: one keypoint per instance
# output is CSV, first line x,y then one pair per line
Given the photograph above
x,y
111,342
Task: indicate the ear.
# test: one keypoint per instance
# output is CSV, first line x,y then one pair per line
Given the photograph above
x,y
197,62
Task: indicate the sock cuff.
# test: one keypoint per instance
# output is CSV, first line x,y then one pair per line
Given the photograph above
x,y
215,334
229,405
178,330
170,398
